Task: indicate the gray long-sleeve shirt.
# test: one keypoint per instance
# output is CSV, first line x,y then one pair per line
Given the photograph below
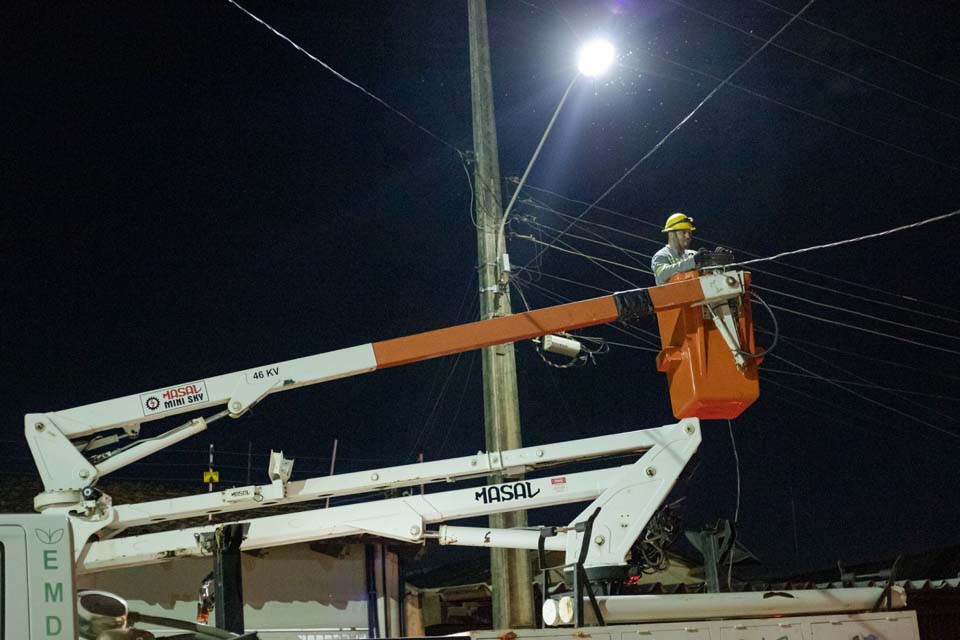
x,y
665,263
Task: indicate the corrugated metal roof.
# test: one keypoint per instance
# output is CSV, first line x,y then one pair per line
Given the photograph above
x,y
951,584
909,585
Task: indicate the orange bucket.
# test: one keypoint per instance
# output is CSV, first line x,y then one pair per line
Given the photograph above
x,y
702,375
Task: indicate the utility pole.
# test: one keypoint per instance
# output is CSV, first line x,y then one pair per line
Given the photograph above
x,y
511,576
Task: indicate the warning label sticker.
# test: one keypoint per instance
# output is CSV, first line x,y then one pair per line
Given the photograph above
x,y
558,484
172,398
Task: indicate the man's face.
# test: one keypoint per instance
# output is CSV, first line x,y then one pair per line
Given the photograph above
x,y
684,238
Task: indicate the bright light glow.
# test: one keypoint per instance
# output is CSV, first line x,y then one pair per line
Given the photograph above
x,y
595,57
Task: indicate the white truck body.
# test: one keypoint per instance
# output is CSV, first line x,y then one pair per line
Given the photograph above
x,y
39,602
36,558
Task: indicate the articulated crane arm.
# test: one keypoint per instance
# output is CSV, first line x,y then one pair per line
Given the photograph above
x,y
628,496
72,447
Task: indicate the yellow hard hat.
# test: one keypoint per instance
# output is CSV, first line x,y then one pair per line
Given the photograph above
x,y
679,222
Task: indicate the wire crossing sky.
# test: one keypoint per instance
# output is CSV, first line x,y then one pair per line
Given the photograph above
x,y
840,243
350,82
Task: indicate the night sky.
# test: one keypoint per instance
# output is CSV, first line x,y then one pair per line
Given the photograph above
x,y
188,195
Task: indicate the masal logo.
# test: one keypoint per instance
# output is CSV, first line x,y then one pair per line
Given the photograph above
x,y
174,398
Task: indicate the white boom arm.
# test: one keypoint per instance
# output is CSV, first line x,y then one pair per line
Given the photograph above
x,y
628,496
72,448
75,447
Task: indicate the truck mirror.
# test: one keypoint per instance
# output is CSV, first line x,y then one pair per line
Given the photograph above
x,y
100,611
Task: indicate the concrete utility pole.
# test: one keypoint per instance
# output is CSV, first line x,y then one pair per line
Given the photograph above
x,y
511,575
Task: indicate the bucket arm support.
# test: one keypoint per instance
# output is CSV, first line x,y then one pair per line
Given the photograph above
x,y
628,496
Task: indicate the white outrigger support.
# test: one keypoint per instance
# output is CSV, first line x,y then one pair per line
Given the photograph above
x,y
628,496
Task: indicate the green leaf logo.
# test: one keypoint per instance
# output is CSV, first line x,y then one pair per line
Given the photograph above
x,y
49,536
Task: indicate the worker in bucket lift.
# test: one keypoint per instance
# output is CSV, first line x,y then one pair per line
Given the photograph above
x,y
677,256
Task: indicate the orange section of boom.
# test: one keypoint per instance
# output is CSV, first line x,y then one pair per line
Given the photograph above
x,y
677,292
486,333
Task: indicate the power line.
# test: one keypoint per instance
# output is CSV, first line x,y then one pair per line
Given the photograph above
x,y
473,196
863,44
593,223
831,363
782,264
839,383
817,401
584,202
807,300
846,128
629,346
856,313
839,243
736,512
763,271
815,61
576,252
523,297
860,356
603,242
809,114
463,393
689,115
431,417
582,284
594,259
835,382
865,385
557,13
858,328
855,296
653,340
870,400
350,82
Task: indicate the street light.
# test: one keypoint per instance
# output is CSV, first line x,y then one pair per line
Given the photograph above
x,y
595,58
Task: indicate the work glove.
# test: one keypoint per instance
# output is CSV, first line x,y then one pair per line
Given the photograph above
x,y
723,256
690,262
700,258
